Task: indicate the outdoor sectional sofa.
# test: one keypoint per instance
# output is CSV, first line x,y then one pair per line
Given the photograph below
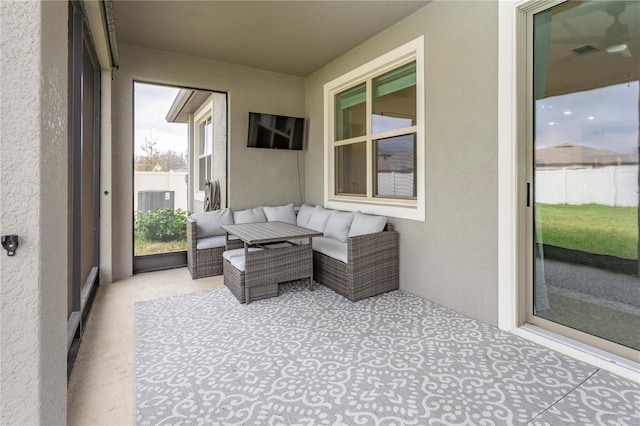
x,y
357,256
206,242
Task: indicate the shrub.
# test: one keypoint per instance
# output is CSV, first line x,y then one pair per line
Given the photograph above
x,y
162,225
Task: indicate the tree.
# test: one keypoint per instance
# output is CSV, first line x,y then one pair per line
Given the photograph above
x,y
151,156
154,160
171,160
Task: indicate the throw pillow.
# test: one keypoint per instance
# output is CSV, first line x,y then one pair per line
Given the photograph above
x,y
366,224
304,214
281,213
338,225
208,223
319,219
249,216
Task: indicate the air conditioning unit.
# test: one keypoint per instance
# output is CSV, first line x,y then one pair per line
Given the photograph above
x,y
155,199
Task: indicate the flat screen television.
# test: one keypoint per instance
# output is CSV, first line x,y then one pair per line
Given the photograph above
x,y
275,131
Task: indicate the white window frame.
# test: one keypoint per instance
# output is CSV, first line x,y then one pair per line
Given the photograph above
x,y
413,209
205,113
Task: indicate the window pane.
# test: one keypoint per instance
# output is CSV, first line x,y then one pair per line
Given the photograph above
x,y
394,99
395,166
202,172
351,112
351,169
201,137
205,137
208,137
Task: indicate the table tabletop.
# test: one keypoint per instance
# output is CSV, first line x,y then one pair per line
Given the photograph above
x,y
269,232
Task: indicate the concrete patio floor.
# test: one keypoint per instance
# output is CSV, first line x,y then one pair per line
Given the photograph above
x,y
100,390
101,385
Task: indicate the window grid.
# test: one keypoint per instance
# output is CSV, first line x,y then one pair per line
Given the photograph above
x,y
369,138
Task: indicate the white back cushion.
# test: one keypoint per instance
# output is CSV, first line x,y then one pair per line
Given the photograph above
x,y
338,225
211,242
319,219
249,216
304,214
281,214
366,224
208,223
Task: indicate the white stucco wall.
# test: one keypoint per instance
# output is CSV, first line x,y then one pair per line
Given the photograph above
x,y
451,258
256,176
106,237
33,200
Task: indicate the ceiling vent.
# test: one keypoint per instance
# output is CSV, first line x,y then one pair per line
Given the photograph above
x,y
583,50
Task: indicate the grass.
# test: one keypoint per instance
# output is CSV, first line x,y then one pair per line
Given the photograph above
x,y
142,246
591,228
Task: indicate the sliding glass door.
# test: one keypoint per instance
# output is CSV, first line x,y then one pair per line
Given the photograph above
x,y
584,170
84,178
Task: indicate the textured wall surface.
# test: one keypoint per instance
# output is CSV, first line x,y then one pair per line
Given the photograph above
x,y
106,239
33,199
451,258
256,176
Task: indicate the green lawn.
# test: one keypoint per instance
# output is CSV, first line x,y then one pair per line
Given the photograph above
x,y
142,246
592,228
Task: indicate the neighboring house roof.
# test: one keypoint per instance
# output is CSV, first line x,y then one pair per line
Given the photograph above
x,y
187,102
568,154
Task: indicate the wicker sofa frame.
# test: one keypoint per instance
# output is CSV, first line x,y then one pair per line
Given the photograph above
x,y
372,266
205,262
268,267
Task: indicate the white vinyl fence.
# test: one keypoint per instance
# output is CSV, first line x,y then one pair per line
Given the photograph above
x,y
163,181
611,186
396,184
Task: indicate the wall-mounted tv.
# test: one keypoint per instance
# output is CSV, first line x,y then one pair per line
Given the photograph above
x,y
275,131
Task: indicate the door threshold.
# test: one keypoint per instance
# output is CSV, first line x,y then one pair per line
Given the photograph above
x,y
599,358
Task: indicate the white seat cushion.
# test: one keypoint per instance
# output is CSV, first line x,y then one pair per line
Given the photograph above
x,y
230,254
331,247
238,262
211,242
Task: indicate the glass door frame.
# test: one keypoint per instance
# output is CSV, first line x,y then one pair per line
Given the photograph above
x,y
526,232
82,288
156,261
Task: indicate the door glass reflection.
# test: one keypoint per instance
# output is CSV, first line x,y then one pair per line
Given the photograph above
x,y
586,62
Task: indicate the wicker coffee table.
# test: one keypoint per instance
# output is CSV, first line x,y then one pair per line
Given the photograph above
x,y
264,269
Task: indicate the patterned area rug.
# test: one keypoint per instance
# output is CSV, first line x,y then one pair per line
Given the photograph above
x,y
315,358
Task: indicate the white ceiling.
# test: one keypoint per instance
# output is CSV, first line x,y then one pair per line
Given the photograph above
x,y
290,37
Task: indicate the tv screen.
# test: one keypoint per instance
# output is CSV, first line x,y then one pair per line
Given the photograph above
x,y
275,131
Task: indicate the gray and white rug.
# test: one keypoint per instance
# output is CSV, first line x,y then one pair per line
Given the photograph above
x,y
315,358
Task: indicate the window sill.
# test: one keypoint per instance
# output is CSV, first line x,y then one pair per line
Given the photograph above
x,y
401,209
